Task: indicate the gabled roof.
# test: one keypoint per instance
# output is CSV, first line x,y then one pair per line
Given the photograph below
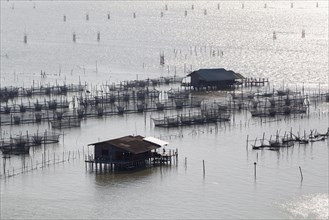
x,y
219,74
132,144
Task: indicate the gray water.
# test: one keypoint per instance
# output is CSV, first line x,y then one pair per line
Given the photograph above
x,y
130,48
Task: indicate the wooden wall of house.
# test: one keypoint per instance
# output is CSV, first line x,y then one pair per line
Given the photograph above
x,y
107,152
195,80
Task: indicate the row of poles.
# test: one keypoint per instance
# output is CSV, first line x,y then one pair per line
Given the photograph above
x,y
255,169
134,15
161,14
166,8
74,37
300,171
45,162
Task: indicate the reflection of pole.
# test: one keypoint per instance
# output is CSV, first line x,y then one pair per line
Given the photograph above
x,y
255,169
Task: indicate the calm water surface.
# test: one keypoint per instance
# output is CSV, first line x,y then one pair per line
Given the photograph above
x,y
130,48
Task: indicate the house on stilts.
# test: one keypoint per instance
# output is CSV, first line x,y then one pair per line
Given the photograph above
x,y
129,153
214,79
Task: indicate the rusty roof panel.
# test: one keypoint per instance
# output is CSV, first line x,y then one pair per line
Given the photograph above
x,y
132,144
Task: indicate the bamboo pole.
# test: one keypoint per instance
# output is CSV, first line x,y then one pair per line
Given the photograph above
x,y
204,168
301,174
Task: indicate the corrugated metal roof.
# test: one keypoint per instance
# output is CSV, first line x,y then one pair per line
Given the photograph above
x,y
156,141
219,74
132,144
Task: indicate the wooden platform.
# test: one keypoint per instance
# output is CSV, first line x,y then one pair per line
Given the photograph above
x,y
156,159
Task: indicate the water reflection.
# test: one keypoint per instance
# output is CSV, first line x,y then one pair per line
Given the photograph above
x,y
314,206
129,177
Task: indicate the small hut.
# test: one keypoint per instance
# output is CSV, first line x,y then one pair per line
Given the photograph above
x,y
128,152
211,79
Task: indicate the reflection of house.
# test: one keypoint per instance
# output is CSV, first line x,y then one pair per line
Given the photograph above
x,y
127,152
214,78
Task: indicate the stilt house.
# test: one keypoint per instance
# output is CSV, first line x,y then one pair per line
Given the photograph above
x,y
127,152
211,79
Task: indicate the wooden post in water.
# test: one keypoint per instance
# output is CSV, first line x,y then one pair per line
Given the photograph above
x,y
25,38
255,169
301,174
204,169
247,141
185,162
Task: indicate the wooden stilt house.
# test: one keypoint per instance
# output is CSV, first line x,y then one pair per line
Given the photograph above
x,y
128,152
211,79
